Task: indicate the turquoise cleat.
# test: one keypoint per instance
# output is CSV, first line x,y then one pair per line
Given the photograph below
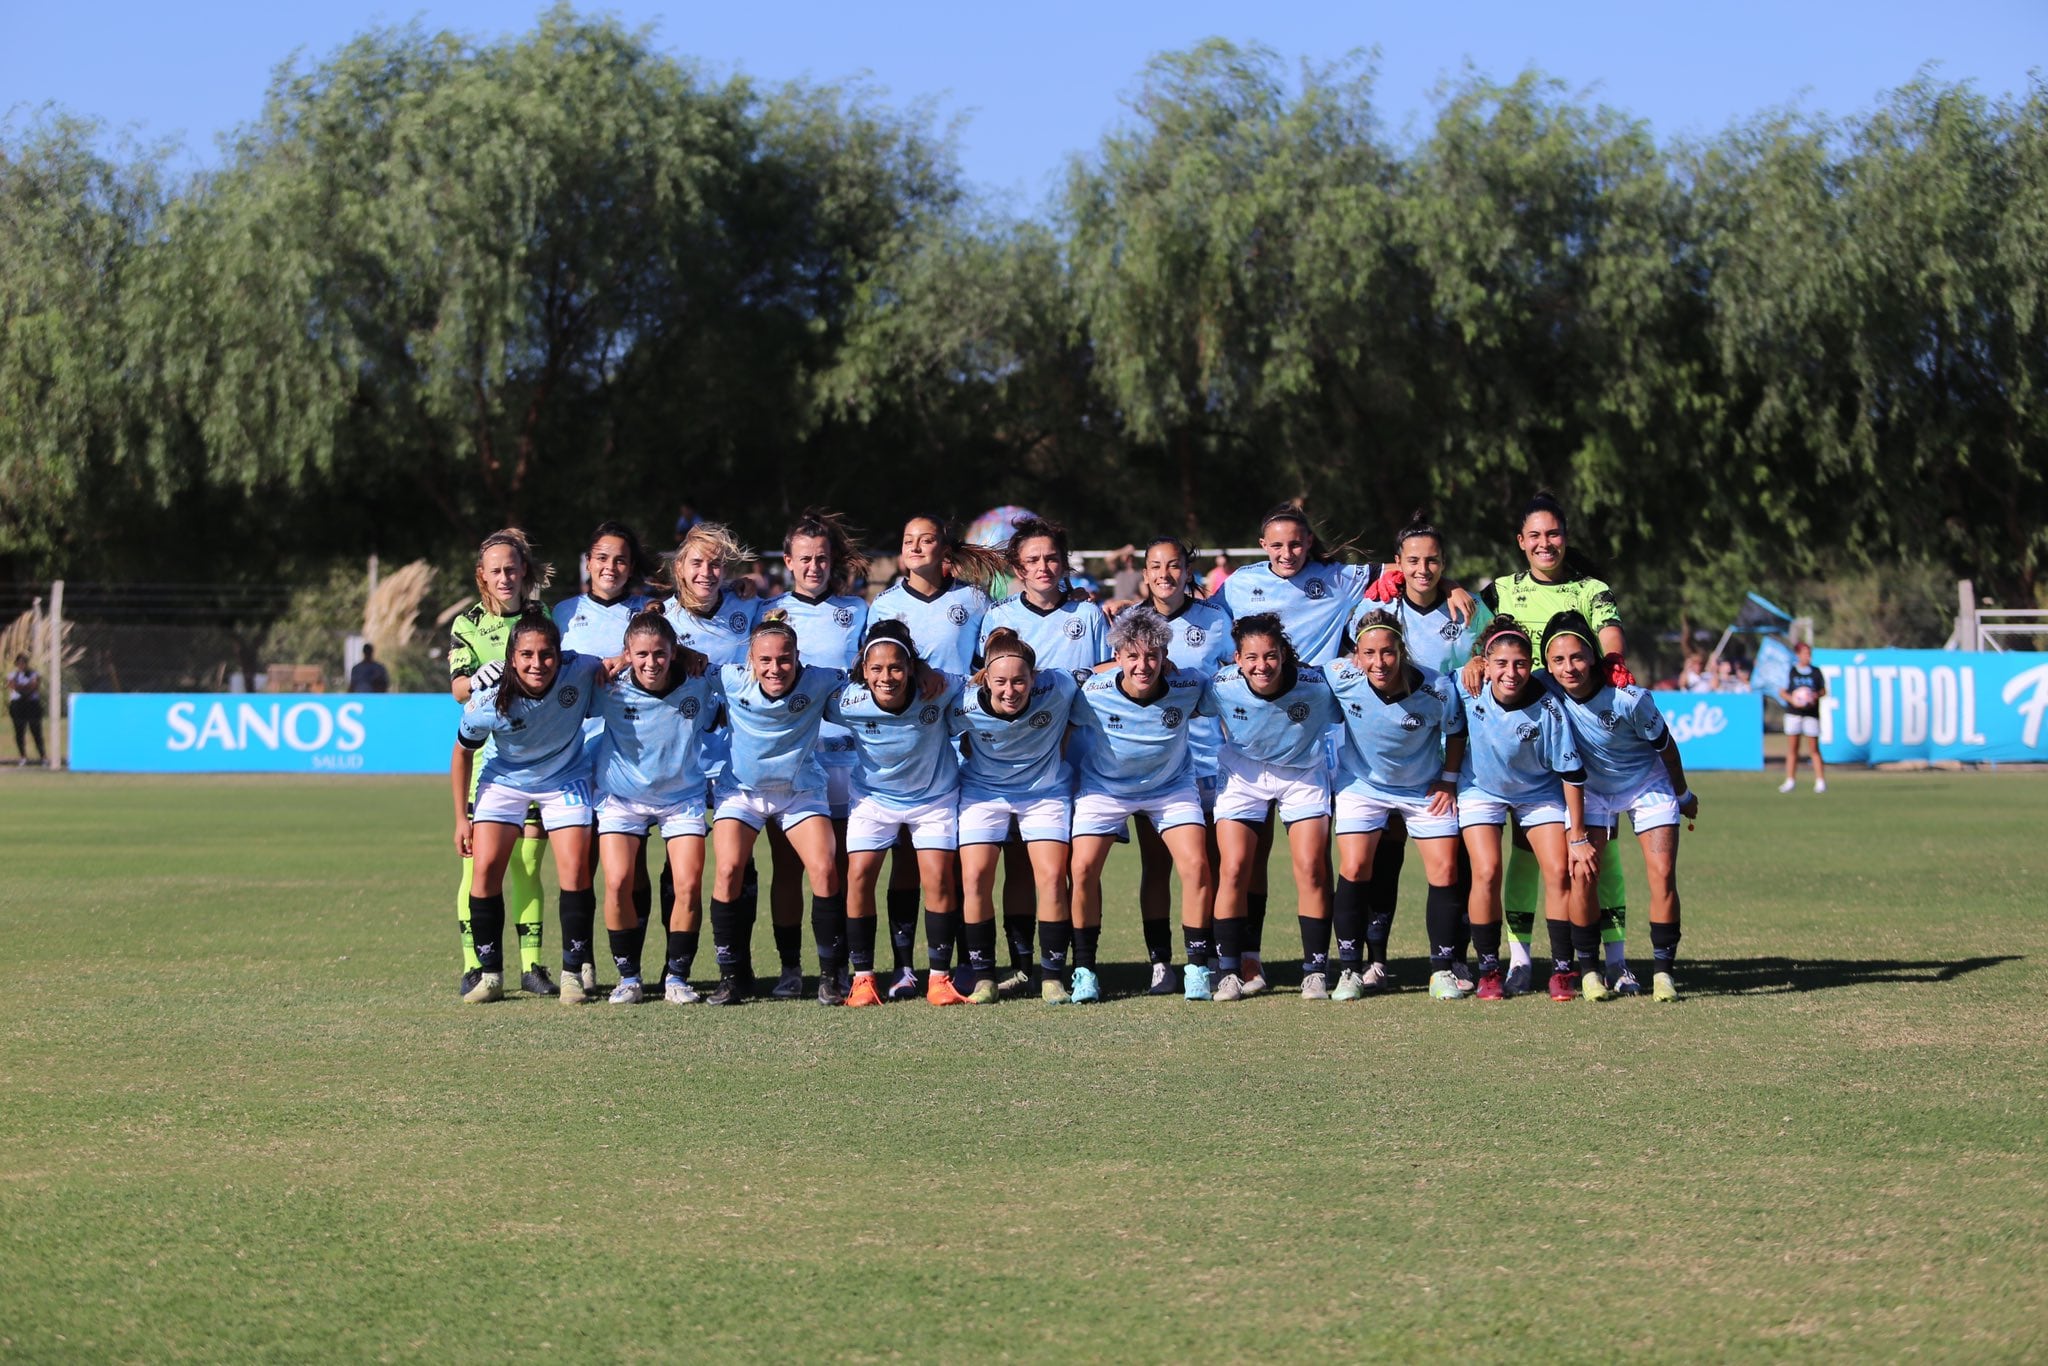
x,y
1195,982
1085,988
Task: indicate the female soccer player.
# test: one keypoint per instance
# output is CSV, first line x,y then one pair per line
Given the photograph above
x,y
1014,719
25,709
508,581
1523,760
1134,761
648,774
906,781
533,713
707,616
1065,632
1801,695
1274,712
774,704
1632,766
823,561
1403,745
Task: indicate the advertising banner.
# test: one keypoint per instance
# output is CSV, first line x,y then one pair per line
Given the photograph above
x,y
1883,706
1715,730
262,733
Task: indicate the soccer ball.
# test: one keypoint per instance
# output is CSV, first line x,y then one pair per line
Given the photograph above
x,y
1802,697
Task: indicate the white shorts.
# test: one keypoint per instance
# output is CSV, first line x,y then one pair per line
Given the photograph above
x,y
985,818
561,808
1362,809
787,807
619,815
1106,814
872,824
1250,785
1483,808
1649,806
1803,725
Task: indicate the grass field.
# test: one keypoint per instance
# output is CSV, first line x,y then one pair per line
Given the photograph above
x,y
245,1117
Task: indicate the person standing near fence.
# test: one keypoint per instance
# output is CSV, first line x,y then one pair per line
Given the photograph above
x,y
368,675
25,709
1804,687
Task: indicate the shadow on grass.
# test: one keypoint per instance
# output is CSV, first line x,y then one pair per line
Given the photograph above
x,y
1772,976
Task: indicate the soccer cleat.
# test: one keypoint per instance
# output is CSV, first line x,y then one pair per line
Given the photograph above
x,y
1162,980
1594,987
1444,986
538,982
1820,785
1053,992
730,991
1229,988
1377,979
1663,987
789,985
467,982
677,992
1491,988
1787,785
1195,983
1625,984
588,973
903,988
863,993
1463,972
1315,987
1350,986
831,991
940,991
1564,986
1086,990
1254,975
572,989
1019,980
984,993
1520,979
490,986
628,993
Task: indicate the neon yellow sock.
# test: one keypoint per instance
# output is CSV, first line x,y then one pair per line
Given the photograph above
x,y
1521,894
470,962
523,900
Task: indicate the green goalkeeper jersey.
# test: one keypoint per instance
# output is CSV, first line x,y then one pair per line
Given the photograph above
x,y
1533,603
477,638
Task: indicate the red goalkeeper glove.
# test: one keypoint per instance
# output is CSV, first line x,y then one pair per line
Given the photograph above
x,y
1386,587
1617,672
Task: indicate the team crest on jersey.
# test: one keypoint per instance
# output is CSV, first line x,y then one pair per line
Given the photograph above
x,y
1170,718
1410,721
928,715
1194,636
1040,721
569,695
799,703
842,617
1080,676
1297,712
737,622
690,708
1075,630
1609,719
1449,630
1317,590
1528,730
957,614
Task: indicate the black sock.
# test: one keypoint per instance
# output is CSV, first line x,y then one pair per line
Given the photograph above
x,y
938,939
828,931
486,929
1521,924
903,925
1315,944
1017,932
1229,944
1486,946
860,943
667,889
682,951
980,941
1441,912
1254,922
578,912
1383,893
725,931
1053,938
643,903
1195,943
1586,948
625,953
789,946
1664,944
1086,937
1560,944
1158,941
1347,919
1379,925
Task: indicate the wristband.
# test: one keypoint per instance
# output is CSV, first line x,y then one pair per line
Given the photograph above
x,y
1587,840
1449,775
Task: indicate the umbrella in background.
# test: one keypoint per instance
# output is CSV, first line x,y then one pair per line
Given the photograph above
x,y
993,527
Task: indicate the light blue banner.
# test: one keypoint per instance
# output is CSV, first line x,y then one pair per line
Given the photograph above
x,y
1883,706
262,732
1720,730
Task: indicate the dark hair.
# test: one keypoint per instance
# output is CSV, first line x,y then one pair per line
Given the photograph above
x,y
1004,642
644,564
1504,626
533,621
651,622
1266,624
1543,500
1319,552
849,561
970,563
1570,623
1419,525
1034,529
890,632
1195,587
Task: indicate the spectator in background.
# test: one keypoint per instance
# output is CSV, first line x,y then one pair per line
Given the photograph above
x,y
25,709
1727,678
369,675
1693,677
686,517
1801,695
1212,582
1125,578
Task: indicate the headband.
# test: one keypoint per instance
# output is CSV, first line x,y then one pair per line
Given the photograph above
x,y
1517,632
884,640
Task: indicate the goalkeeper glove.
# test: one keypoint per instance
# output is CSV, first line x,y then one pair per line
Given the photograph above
x,y
1386,587
1617,672
487,676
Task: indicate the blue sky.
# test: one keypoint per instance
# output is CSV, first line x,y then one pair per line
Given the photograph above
x,y
1037,82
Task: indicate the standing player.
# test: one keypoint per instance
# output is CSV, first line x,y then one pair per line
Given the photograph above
x,y
1632,766
648,774
533,713
1275,712
1403,745
508,581
1523,760
1804,687
1014,721
1134,761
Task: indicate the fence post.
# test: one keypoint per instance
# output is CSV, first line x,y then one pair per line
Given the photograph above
x,y
56,673
1966,615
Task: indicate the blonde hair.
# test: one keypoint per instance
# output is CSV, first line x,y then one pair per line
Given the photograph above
x,y
534,576
719,544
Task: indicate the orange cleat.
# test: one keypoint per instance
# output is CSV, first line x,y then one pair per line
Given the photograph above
x,y
863,993
939,991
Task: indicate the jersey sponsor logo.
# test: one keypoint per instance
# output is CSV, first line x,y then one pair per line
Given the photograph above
x,y
1171,718
928,715
1298,712
842,617
569,696
957,614
1040,721
691,706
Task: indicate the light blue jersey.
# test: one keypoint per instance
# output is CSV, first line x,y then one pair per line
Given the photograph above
x,y
828,632
1137,748
538,741
1201,642
1314,606
592,626
774,740
1620,734
1396,747
1073,636
720,635
900,759
1520,754
1434,639
1018,756
651,751
947,628
1287,730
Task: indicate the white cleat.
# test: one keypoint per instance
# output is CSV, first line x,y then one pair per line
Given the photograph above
x,y
677,992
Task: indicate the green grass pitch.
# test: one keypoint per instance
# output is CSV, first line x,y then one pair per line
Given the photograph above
x,y
245,1118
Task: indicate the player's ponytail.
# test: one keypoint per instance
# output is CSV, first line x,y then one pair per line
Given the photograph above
x,y
533,620
534,576
1419,527
977,565
774,622
1319,551
1004,643
849,561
